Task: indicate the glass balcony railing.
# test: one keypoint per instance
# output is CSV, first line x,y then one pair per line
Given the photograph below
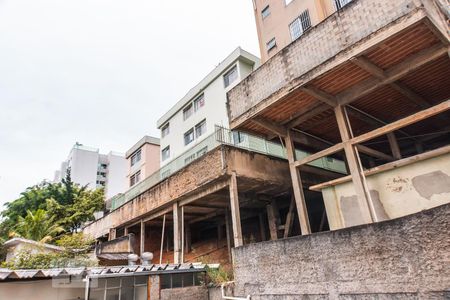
x,y
221,136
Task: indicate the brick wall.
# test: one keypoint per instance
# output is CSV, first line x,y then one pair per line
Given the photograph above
x,y
406,258
353,23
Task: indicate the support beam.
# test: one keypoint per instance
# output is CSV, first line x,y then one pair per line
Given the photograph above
x,y
262,227
228,233
112,234
142,239
188,239
274,128
235,211
162,239
177,233
319,108
289,218
297,186
374,153
273,223
354,165
395,149
320,95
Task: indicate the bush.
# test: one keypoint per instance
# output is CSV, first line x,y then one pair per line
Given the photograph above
x,y
217,276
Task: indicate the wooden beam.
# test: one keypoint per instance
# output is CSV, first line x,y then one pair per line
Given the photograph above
x,y
142,239
392,74
262,227
112,234
271,217
329,151
228,233
212,188
289,218
320,95
207,216
374,153
158,214
188,241
395,149
177,233
271,126
235,211
163,229
354,166
297,186
319,108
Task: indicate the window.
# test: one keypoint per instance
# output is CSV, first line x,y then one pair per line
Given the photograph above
x,y
165,153
230,76
300,25
136,157
202,151
271,44
286,2
265,12
170,281
200,128
165,130
129,287
199,102
238,137
341,3
189,158
189,137
135,178
188,111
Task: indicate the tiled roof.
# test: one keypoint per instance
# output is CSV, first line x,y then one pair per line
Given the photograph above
x,y
7,274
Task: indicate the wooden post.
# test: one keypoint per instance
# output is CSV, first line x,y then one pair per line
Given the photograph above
x,y
395,149
262,227
142,247
149,287
112,234
297,186
162,239
188,238
235,211
176,233
182,234
219,233
271,217
227,230
289,218
354,165
125,231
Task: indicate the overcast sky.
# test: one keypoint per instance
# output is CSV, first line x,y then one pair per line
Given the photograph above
x,y
101,72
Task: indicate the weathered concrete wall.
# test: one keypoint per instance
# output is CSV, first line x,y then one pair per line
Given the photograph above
x,y
120,245
191,293
395,193
39,290
405,258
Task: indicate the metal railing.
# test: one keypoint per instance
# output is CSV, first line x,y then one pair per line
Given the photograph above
x,y
221,136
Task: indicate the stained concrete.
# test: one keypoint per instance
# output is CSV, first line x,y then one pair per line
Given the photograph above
x,y
430,184
405,258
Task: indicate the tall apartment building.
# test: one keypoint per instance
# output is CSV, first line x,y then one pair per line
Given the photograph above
x,y
142,160
280,22
89,167
194,117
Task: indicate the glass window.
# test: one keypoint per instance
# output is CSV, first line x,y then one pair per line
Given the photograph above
x,y
165,130
136,157
177,281
112,294
140,292
165,281
127,292
230,76
199,102
271,44
300,25
165,153
341,3
139,280
135,178
188,111
96,294
113,282
189,137
189,159
188,279
286,2
200,128
202,151
265,12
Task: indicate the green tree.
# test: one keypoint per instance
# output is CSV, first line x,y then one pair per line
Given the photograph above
x,y
38,226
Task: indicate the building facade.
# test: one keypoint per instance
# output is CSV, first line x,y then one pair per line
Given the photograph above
x,y
280,22
142,159
89,167
194,117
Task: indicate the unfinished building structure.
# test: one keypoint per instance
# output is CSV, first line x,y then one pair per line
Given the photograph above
x,y
369,85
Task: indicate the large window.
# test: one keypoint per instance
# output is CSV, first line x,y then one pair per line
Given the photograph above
x,y
341,3
129,288
165,130
165,153
189,137
171,281
300,25
230,76
135,178
188,111
136,157
200,128
265,12
199,102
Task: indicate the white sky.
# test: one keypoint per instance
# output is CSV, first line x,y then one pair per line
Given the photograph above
x,y
101,72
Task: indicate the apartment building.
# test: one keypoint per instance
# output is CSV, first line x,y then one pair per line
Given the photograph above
x,y
91,168
142,159
194,117
280,22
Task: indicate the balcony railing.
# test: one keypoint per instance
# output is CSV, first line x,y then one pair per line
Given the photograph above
x,y
221,136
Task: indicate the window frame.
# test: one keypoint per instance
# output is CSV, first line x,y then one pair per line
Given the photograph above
x,y
303,21
199,100
226,76
135,178
165,130
199,126
187,134
270,46
136,157
265,12
163,151
188,111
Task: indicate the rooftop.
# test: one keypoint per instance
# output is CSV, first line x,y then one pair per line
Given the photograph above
x,y
145,140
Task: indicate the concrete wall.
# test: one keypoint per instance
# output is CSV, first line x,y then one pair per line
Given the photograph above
x,y
405,258
395,193
38,290
116,177
191,293
149,163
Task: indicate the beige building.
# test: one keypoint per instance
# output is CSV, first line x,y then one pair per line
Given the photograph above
x,y
280,22
143,160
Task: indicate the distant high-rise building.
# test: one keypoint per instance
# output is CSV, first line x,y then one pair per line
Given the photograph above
x,y
89,167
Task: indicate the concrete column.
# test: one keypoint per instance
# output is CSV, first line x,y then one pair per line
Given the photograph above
x,y
177,234
235,211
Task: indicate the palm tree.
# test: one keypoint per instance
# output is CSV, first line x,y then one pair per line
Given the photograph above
x,y
38,227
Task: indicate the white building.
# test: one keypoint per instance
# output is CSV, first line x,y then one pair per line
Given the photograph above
x,y
194,117
89,167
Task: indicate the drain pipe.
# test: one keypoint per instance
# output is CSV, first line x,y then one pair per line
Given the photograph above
x,y
228,297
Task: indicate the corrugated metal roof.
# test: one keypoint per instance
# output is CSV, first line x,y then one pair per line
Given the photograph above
x,y
7,274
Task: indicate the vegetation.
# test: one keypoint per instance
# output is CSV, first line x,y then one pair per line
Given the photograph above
x,y
217,276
